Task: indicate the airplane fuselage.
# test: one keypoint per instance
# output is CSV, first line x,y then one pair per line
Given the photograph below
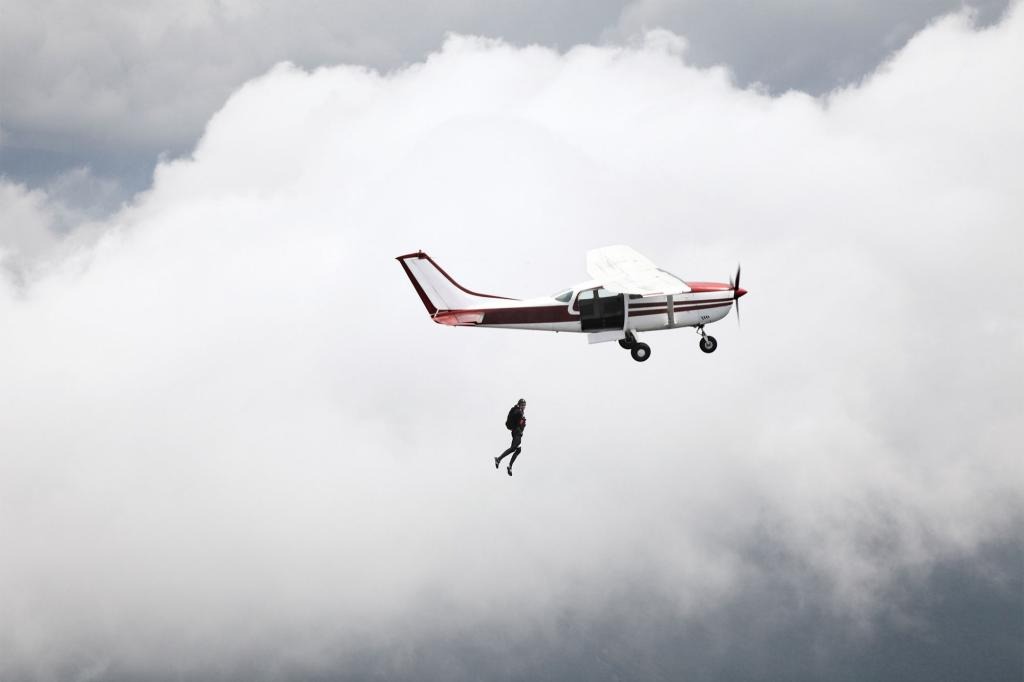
x,y
591,309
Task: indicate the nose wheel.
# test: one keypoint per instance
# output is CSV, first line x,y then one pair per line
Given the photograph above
x,y
708,344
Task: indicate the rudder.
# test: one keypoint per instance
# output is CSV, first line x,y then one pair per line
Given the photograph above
x,y
436,288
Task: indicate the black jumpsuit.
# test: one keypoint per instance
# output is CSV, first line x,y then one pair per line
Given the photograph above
x,y
518,422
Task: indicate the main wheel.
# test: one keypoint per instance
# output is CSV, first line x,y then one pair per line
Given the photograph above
x,y
640,352
708,344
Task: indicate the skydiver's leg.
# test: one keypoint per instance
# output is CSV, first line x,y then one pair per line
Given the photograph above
x,y
512,461
516,438
505,454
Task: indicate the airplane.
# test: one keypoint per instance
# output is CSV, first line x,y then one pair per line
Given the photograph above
x,y
627,294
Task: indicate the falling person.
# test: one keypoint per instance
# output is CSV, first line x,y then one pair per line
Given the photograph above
x,y
516,423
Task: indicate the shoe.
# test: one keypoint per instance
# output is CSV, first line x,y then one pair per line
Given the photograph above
x,y
497,462
510,471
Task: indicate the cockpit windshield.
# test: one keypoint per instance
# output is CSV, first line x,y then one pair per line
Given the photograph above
x,y
563,296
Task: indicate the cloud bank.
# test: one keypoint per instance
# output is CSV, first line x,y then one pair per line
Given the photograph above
x,y
114,86
814,47
235,446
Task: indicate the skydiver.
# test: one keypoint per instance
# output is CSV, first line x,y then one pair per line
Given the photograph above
x,y
516,423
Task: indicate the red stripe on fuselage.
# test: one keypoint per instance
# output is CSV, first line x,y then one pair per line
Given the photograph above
x,y
676,302
678,309
530,315
554,314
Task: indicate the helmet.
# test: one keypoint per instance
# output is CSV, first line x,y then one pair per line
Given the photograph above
x,y
522,402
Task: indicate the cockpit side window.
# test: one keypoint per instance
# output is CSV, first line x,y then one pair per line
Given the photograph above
x,y
585,295
563,297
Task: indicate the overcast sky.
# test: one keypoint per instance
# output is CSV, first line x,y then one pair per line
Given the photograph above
x,y
235,447
112,86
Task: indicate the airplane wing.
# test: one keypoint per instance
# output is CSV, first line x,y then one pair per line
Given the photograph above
x,y
624,271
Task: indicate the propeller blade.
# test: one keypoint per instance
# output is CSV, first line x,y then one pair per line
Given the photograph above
x,y
736,293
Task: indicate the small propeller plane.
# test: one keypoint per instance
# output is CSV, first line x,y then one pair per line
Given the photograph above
x,y
627,295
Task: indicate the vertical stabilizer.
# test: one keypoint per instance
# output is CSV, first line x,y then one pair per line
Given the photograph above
x,y
438,291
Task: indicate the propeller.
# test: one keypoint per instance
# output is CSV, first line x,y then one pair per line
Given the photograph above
x,y
737,291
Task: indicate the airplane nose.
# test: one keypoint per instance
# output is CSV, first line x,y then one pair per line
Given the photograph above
x,y
740,291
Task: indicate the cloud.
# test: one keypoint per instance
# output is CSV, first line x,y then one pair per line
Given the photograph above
x,y
25,231
814,47
118,81
113,87
235,445
41,225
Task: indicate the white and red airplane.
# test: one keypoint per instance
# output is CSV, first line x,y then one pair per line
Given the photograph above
x,y
627,295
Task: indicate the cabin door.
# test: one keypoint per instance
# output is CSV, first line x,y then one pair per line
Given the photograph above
x,y
601,309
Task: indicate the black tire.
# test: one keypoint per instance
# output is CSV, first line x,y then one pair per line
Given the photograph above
x,y
640,352
708,344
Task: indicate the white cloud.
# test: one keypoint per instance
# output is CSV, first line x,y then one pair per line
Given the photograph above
x,y
809,46
26,228
230,431
43,225
144,78
113,86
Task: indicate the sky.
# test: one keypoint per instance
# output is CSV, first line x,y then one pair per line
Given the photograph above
x,y
235,447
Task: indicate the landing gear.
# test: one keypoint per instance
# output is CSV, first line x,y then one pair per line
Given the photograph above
x,y
708,344
640,352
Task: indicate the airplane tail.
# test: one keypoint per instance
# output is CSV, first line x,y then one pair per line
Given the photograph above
x,y
438,291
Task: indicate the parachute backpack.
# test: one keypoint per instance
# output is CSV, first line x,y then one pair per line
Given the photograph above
x,y
510,423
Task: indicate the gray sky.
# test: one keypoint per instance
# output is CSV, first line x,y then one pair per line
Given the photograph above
x,y
112,86
234,446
